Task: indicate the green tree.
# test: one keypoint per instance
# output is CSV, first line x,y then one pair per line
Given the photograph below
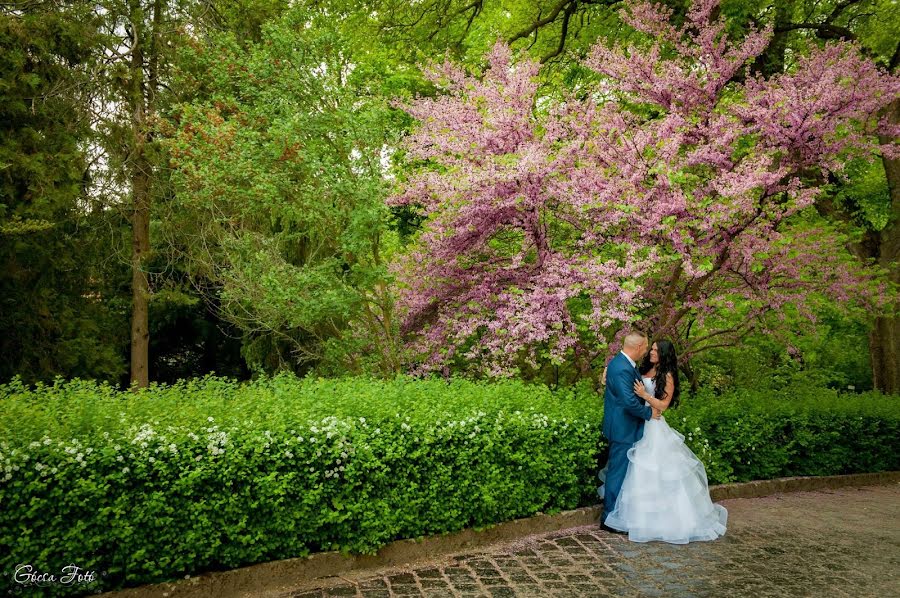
x,y
53,320
278,174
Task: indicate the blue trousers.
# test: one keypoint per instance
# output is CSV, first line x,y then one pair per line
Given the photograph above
x,y
615,475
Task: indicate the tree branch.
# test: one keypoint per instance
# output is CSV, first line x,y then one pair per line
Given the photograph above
x,y
538,23
823,30
570,10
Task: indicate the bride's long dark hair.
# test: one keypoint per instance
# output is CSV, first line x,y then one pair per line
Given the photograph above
x,y
668,364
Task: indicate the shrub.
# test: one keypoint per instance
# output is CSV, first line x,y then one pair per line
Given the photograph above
x,y
211,474
757,435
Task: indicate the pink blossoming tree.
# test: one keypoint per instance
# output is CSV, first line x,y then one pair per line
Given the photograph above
x,y
669,198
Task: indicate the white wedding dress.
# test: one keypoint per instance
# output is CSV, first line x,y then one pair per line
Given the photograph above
x,y
665,494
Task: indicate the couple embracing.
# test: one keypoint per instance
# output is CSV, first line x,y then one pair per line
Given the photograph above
x,y
655,487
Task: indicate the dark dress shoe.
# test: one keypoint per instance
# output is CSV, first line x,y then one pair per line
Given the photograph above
x,y
606,528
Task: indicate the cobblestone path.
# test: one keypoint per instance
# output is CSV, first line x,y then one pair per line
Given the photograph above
x,y
827,543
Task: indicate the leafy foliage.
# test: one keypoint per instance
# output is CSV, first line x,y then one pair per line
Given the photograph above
x,y
209,473
53,318
278,192
803,430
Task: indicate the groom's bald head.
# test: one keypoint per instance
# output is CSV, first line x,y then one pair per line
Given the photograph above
x,y
635,345
635,339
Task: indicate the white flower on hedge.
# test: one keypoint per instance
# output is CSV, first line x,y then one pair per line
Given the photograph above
x,y
152,459
210,419
362,420
289,454
119,458
172,448
193,436
198,457
54,470
116,447
145,433
34,444
125,470
404,426
79,457
299,438
343,455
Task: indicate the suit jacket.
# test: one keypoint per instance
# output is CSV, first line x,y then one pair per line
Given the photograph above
x,y
624,412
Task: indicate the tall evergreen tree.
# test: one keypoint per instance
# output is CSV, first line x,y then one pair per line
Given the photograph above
x,y
51,319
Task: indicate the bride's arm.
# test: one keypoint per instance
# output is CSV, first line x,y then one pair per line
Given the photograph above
x,y
662,404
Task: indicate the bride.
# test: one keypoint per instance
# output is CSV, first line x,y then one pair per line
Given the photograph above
x,y
665,495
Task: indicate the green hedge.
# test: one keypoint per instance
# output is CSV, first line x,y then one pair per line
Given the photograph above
x,y
759,435
211,474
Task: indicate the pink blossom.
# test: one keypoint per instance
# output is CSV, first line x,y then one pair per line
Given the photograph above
x,y
547,231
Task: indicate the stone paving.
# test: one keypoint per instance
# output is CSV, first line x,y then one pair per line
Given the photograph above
x,y
842,542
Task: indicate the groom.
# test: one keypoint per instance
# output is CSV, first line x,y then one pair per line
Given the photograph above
x,y
624,414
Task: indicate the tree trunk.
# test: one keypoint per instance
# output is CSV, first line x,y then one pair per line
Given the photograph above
x,y
692,376
771,62
140,218
884,341
140,287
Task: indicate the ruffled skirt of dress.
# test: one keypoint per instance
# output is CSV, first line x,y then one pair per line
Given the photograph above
x,y
665,494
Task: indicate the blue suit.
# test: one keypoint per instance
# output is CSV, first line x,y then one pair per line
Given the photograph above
x,y
624,414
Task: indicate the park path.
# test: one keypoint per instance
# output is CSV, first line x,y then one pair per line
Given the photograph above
x,y
843,542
